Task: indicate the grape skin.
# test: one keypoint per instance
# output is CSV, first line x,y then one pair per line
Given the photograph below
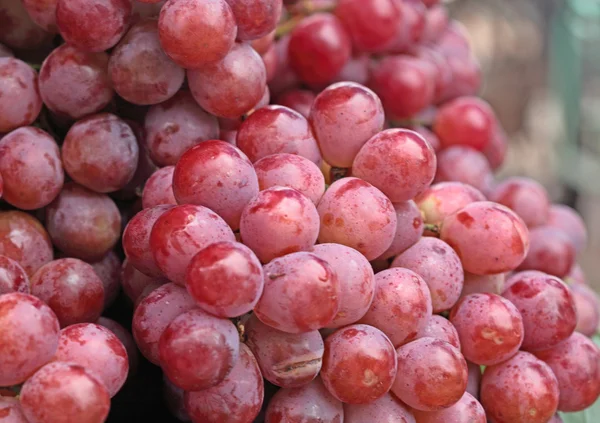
x,y
43,13
12,277
587,305
11,411
386,409
466,165
551,251
126,339
18,30
409,229
439,327
108,270
298,100
134,282
158,189
466,410
475,284
255,18
474,379
525,197
569,221
20,101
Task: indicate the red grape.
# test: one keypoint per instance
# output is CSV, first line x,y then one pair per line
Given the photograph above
x,y
551,251
587,305
231,86
488,237
262,44
355,70
497,149
237,399
301,293
298,100
134,282
20,101
108,270
255,18
474,380
18,31
524,196
432,374
442,74
63,392
31,168
413,25
466,410
429,136
463,164
74,83
522,389
386,409
569,221
455,41
43,13
439,327
576,276
12,277
490,328
11,411
475,284
158,189
126,339
29,333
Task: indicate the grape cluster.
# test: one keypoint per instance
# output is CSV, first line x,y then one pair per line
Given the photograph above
x,y
296,198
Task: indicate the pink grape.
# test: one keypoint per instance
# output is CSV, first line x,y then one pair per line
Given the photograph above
x,y
409,228
237,399
126,339
429,136
28,336
522,389
466,165
466,410
298,100
11,411
359,364
255,19
587,305
576,364
386,409
108,270
19,31
355,70
551,251
474,284
547,306
12,277
497,148
488,237
20,101
43,13
96,349
569,221
64,392
158,189
279,221
432,374
134,282
474,379
490,328
38,183
231,86
216,175
439,327
525,197
225,279
301,293
439,266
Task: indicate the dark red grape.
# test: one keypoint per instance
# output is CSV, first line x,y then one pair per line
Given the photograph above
x,y
20,101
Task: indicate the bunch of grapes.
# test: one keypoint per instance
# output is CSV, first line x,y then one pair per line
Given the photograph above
x,y
298,200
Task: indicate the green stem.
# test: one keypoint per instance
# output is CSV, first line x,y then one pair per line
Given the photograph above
x,y
432,228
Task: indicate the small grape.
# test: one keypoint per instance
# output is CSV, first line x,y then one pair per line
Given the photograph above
x,y
18,31
126,339
108,270
386,409
587,305
525,197
298,100
12,277
551,251
476,284
20,101
466,165
158,189
569,221
255,18
439,327
11,411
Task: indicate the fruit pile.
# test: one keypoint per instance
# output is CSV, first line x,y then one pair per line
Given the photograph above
x,y
298,200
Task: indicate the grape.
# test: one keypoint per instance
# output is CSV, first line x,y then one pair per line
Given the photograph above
x,y
429,136
455,41
29,333
399,162
556,419
176,125
264,101
439,327
24,240
96,349
440,268
463,164
74,83
101,153
414,23
576,364
108,270
436,22
386,409
216,175
301,293
444,198
488,237
474,284
154,313
72,290
11,411
62,393
547,307
309,403
551,251
298,100
255,18
277,129
18,30
355,70
588,309
262,44
359,364
126,339
285,359
173,397
279,221
292,171
31,168
197,350
225,279
432,374
358,215
135,282
522,389
441,72
271,65
409,228
466,410
83,223
181,232
497,149
20,101
525,197
576,276
237,399
404,84
318,49
43,13
490,328
474,379
139,69
158,189
401,307
12,277
569,221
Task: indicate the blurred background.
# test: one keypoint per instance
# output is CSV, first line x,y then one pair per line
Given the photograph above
x,y
541,67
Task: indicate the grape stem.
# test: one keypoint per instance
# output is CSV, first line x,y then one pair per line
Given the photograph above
x,y
432,228
338,173
241,330
304,9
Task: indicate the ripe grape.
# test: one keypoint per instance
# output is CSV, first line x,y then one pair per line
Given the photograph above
x,y
301,293
158,189
474,380
497,149
522,389
455,41
440,268
475,284
31,168
525,197
63,392
108,270
11,411
134,282
216,175
432,374
75,83
237,399
82,223
96,349
409,228
176,125
588,309
490,328
126,339
412,26
181,232
231,86
72,290
262,44
12,277
20,101
17,30
277,129
466,410
225,279
255,18
359,364
576,364
551,251
569,221
154,313
29,333
386,409
439,327
279,221
43,13
488,237
298,100
441,71
466,165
